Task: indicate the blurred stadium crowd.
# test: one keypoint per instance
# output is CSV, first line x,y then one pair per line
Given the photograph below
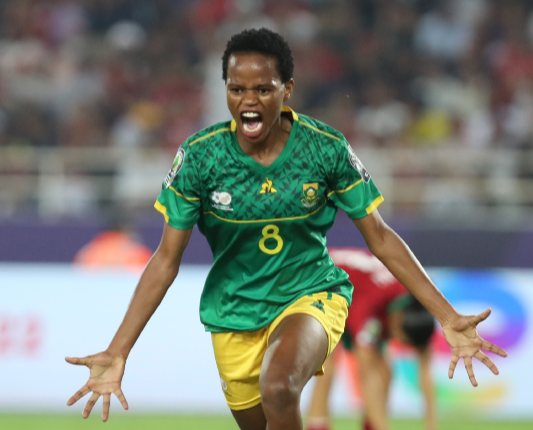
x,y
394,75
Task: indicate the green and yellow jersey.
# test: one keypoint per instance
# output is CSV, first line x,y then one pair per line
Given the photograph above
x,y
266,226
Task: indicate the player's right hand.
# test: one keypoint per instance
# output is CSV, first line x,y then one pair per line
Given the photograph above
x,y
105,378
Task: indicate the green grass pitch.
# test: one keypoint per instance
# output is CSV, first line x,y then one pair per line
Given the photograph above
x,y
122,421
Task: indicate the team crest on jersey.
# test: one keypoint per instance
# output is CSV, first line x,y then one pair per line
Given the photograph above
x,y
357,165
310,194
221,200
176,167
267,187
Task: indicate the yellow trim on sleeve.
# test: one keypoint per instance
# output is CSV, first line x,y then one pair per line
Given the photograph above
x,y
181,195
320,131
161,208
346,189
263,220
208,135
374,204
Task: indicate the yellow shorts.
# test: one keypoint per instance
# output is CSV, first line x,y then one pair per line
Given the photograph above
x,y
239,355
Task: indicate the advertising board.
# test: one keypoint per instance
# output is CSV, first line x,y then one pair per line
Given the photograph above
x,y
51,311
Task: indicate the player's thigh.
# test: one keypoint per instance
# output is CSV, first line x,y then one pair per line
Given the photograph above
x,y
386,371
369,356
296,351
302,337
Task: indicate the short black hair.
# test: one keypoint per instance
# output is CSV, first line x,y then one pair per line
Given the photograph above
x,y
418,324
262,41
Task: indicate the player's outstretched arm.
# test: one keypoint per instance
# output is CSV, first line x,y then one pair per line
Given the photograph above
x,y
459,330
107,368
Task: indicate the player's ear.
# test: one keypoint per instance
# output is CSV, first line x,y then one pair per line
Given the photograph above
x,y
289,86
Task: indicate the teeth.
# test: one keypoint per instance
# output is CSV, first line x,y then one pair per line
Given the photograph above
x,y
250,114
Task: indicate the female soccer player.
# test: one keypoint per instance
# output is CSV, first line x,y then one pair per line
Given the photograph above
x,y
264,189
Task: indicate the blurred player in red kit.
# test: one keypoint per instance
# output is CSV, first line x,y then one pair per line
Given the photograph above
x,y
381,310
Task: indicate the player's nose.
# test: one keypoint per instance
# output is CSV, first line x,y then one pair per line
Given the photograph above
x,y
249,97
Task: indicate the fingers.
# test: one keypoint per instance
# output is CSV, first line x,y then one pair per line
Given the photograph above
x,y
90,404
482,316
470,370
120,395
107,403
79,361
83,390
94,398
487,362
453,364
487,346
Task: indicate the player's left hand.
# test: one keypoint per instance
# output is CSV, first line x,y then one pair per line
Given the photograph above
x,y
465,343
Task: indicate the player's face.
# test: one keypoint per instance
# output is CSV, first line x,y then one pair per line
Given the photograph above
x,y
255,95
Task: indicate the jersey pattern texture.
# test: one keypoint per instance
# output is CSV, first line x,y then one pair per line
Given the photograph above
x,y
266,226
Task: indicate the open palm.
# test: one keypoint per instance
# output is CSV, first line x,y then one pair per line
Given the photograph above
x,y
105,378
465,343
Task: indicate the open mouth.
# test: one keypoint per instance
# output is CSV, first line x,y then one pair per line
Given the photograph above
x,y
252,123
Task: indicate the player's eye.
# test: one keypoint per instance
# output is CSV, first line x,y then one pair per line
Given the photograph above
x,y
263,91
235,90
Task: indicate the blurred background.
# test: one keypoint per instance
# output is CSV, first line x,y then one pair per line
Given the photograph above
x,y
435,96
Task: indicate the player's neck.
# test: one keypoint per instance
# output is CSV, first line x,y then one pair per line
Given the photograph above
x,y
265,152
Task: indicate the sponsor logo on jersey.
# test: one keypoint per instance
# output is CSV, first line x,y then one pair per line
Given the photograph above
x,y
267,187
176,167
357,165
310,195
221,200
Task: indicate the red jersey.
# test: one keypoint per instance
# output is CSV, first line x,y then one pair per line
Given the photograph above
x,y
375,290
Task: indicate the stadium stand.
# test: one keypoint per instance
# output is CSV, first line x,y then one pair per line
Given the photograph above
x,y
435,96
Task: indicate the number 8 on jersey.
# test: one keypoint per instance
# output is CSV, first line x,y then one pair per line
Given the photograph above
x,y
271,232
